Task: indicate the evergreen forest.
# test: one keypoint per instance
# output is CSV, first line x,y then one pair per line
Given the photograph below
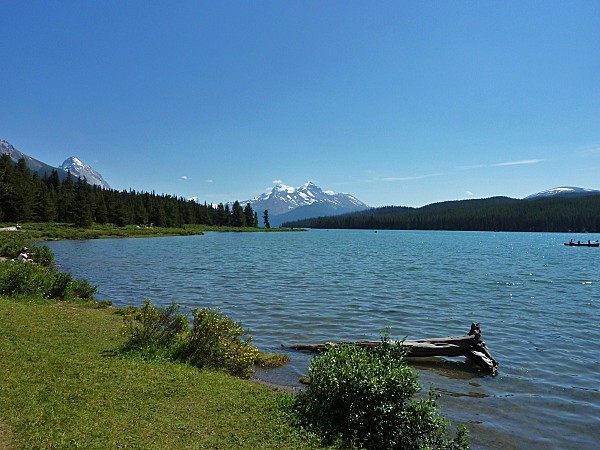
x,y
549,214
27,197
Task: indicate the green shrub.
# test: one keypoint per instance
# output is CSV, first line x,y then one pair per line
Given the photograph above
x,y
153,331
43,255
59,285
11,243
83,289
364,397
217,341
18,278
214,340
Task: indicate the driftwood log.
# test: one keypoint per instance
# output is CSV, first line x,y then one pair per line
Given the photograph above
x,y
471,346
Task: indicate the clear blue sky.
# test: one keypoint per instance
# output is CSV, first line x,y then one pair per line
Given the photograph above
x,y
397,103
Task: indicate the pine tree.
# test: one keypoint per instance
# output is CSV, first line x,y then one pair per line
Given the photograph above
x,y
266,219
157,216
220,214
117,213
237,215
100,210
44,209
21,196
140,213
204,215
53,180
82,214
249,214
66,199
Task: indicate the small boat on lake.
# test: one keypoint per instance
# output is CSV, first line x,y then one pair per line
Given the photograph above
x,y
583,244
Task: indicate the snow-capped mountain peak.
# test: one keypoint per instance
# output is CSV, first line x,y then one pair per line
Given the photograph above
x,y
80,169
283,188
75,162
308,200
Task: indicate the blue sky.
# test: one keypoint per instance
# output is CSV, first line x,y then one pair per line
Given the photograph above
x,y
398,103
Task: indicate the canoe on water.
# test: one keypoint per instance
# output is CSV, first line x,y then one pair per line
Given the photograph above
x,y
583,244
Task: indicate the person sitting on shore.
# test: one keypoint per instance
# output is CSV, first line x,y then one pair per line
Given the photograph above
x,y
25,255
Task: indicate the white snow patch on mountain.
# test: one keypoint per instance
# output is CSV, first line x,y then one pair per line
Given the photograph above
x,y
80,169
568,191
308,198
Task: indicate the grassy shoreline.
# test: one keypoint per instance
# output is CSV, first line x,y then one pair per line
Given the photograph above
x,y
63,387
68,380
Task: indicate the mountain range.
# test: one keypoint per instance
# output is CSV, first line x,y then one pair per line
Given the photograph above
x,y
71,164
286,203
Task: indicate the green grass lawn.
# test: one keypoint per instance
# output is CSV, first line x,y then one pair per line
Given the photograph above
x,y
62,387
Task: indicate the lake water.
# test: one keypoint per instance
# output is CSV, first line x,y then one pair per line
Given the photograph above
x,y
537,300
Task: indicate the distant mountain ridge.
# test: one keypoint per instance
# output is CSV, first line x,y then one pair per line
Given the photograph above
x,y
71,164
33,164
574,213
566,191
309,200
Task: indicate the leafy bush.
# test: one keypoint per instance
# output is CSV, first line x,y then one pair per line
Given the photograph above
x,y
59,285
20,278
11,244
153,331
43,255
83,289
215,340
364,398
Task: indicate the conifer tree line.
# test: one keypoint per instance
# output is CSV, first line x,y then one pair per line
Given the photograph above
x,y
558,214
27,197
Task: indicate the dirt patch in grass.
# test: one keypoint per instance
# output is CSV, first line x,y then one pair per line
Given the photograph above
x,y
275,387
5,437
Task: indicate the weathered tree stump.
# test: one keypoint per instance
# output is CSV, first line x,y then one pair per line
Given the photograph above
x,y
471,346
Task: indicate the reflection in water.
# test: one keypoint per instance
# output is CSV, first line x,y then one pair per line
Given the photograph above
x,y
458,370
460,394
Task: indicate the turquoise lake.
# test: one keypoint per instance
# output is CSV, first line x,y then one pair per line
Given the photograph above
x,y
538,303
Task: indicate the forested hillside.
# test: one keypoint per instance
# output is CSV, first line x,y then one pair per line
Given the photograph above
x,y
27,197
580,214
